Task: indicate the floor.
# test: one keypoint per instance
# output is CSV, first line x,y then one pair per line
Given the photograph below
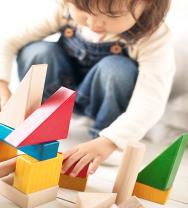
x,y
103,179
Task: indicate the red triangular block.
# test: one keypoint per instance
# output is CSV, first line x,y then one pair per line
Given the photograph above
x,y
48,123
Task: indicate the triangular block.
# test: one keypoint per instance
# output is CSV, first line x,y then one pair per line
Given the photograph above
x,y
161,172
26,98
95,200
48,123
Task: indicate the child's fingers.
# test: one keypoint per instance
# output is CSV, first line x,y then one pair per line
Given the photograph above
x,y
81,164
68,153
7,167
95,164
71,160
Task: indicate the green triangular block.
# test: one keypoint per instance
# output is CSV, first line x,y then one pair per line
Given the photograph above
x,y
161,172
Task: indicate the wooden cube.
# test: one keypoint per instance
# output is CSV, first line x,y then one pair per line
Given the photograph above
x,y
23,200
32,175
6,151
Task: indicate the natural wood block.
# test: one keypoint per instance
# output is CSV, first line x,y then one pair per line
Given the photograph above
x,y
128,171
151,194
23,200
6,151
74,183
95,200
133,202
26,99
48,123
32,175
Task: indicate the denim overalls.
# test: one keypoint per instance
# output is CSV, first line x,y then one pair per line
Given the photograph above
x,y
102,73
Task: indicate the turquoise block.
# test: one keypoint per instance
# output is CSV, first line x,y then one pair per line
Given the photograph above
x,y
5,131
42,151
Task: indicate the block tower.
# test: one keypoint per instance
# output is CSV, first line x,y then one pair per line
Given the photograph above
x,y
34,129
155,181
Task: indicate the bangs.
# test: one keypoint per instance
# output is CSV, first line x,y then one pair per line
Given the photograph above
x,y
103,6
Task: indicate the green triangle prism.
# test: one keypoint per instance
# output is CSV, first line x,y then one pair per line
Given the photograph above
x,y
161,172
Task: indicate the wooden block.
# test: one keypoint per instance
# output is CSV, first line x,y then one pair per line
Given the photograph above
x,y
32,175
128,171
6,151
48,123
168,161
95,200
74,183
82,173
5,131
151,194
7,167
26,98
42,151
133,202
23,200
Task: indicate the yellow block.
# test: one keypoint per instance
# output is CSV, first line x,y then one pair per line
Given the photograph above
x,y
6,151
74,183
32,175
151,194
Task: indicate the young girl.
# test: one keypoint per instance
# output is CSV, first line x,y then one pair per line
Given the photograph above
x,y
117,54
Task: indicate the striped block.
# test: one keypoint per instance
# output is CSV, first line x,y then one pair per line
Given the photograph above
x,y
151,194
42,151
74,183
6,151
32,175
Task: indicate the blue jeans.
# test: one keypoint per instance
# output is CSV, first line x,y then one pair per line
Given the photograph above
x,y
103,90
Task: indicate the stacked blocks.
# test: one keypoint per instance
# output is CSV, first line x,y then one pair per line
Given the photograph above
x,y
32,175
76,183
37,173
155,181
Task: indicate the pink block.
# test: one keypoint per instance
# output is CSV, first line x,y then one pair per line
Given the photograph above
x,y
48,123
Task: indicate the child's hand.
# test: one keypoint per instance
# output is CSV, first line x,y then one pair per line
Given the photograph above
x,y
4,93
7,167
94,151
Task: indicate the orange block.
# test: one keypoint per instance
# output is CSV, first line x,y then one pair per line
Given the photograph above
x,y
74,183
151,194
6,151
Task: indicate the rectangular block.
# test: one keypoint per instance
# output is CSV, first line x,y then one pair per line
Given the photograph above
x,y
74,183
23,200
151,194
6,151
32,175
5,131
42,151
132,202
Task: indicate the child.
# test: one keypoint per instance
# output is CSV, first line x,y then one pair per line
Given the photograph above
x,y
117,54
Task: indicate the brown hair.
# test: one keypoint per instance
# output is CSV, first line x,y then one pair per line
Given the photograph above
x,y
151,18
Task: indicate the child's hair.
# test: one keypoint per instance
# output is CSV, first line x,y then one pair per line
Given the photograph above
x,y
148,22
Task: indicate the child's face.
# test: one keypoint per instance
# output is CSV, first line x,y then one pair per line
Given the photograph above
x,y
119,22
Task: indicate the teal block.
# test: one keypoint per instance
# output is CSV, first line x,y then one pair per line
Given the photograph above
x,y
42,151
161,172
5,131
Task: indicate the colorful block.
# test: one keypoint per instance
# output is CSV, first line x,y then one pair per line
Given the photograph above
x,y
48,123
26,98
32,175
23,200
5,131
42,151
6,151
161,172
95,200
151,194
74,183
